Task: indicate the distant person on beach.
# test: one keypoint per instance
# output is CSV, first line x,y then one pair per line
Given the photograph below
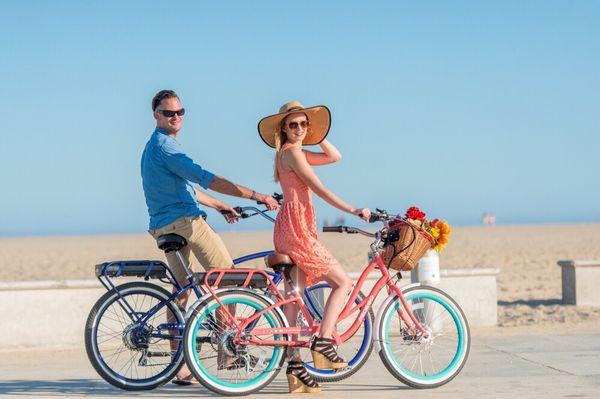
x,y
295,231
173,203
488,219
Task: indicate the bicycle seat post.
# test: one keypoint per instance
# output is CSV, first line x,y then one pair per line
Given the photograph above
x,y
188,272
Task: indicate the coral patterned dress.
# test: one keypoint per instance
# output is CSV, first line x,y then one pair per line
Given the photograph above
x,y
295,232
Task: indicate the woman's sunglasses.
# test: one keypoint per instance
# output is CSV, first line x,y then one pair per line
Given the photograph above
x,y
294,125
168,113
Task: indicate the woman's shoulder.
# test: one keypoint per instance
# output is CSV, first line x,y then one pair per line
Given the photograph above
x,y
291,152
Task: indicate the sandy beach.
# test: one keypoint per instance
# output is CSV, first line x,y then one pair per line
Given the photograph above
x,y
529,285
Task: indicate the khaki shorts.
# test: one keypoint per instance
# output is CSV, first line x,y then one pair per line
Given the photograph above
x,y
202,240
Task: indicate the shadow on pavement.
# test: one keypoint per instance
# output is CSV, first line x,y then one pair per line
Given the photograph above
x,y
532,302
88,387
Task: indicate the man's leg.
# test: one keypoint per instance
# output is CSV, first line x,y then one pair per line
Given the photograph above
x,y
211,252
183,228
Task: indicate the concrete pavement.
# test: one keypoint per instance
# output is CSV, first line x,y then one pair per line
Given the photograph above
x,y
549,365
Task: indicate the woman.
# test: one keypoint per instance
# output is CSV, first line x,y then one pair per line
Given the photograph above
x,y
295,231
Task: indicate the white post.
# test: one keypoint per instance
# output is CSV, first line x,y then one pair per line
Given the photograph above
x,y
428,269
428,272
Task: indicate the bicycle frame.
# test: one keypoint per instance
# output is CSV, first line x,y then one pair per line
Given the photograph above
x,y
245,337
179,289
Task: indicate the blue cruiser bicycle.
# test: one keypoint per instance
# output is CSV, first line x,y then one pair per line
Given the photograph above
x,y
133,334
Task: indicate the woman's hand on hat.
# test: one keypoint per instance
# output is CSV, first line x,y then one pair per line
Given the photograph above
x,y
363,213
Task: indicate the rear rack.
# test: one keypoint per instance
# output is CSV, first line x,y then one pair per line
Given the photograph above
x,y
148,269
233,278
132,268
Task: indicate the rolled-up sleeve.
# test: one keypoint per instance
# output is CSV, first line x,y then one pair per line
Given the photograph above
x,y
180,164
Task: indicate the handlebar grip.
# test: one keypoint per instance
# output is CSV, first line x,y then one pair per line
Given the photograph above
x,y
333,229
374,218
238,209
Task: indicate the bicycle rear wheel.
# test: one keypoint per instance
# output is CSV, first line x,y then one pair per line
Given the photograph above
x,y
125,352
424,360
213,356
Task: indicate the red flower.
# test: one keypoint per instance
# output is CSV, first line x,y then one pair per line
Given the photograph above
x,y
415,213
434,222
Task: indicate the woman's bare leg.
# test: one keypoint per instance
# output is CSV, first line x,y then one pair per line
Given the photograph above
x,y
291,310
341,285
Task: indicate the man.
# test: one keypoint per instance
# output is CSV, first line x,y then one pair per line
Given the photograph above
x,y
167,174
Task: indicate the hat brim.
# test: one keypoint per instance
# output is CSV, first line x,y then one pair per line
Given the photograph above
x,y
320,122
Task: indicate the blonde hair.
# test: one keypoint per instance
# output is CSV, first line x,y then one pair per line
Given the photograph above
x,y
280,140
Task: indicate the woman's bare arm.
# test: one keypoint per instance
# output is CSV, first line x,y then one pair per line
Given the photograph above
x,y
329,155
295,159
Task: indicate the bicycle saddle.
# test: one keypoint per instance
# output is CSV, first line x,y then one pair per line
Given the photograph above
x,y
278,261
171,242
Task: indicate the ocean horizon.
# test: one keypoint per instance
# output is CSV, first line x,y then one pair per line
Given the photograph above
x,y
243,227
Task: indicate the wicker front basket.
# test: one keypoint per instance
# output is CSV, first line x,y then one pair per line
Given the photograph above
x,y
411,244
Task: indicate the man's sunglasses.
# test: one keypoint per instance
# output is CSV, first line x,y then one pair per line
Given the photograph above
x,y
168,113
294,125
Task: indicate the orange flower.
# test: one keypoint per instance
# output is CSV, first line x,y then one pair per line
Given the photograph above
x,y
444,235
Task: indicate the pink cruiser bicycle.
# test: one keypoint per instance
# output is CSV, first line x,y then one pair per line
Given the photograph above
x,y
420,332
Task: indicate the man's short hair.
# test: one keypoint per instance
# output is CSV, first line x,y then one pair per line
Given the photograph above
x,y
162,95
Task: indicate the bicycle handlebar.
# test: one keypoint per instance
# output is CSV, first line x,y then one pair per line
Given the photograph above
x,y
348,230
277,196
333,229
244,211
379,215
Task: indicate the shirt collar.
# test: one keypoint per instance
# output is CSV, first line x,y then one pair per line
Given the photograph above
x,y
159,130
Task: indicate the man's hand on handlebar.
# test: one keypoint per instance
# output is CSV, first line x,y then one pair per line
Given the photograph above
x,y
268,201
229,213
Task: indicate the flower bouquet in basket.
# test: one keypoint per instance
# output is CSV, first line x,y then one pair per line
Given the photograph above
x,y
410,237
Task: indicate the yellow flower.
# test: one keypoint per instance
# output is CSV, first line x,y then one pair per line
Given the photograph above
x,y
414,222
443,236
435,232
438,247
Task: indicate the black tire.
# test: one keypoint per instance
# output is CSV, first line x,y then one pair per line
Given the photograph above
x,y
190,339
430,316
151,293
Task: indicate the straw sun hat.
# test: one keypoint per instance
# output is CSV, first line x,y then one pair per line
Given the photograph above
x,y
318,116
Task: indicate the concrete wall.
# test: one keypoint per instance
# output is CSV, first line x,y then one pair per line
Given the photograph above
x,y
53,313
45,314
474,289
580,282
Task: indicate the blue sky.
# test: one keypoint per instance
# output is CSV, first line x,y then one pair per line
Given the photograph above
x,y
457,107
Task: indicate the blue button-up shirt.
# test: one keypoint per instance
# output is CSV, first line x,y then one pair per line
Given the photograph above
x,y
166,175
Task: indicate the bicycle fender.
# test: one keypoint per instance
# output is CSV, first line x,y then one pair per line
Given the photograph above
x,y
199,301
376,331
249,290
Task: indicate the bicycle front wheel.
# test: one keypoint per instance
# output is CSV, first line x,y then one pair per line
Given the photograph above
x,y
217,360
127,352
424,360
355,351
